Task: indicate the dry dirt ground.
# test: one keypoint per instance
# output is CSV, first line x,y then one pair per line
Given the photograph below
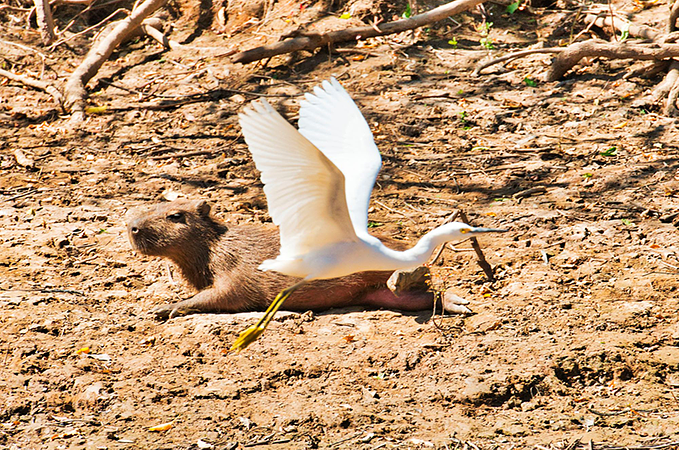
x,y
575,345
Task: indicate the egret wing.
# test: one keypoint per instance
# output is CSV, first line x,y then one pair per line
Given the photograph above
x,y
304,189
330,119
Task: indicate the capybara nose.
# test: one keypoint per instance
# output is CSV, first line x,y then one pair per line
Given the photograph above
x,y
133,226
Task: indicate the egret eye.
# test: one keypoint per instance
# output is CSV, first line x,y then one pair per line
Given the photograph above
x,y
465,230
176,217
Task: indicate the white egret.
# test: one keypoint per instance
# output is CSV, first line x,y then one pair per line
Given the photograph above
x,y
317,183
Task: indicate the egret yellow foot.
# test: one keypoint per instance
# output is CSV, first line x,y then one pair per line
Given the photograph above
x,y
250,335
247,337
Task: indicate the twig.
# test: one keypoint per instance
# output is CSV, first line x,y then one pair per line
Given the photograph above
x,y
311,41
529,192
515,55
36,84
336,443
88,29
25,47
395,211
487,269
158,35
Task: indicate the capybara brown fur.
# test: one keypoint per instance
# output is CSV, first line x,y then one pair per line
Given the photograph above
x,y
221,262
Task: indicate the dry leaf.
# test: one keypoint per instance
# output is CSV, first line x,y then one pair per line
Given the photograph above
x,y
162,427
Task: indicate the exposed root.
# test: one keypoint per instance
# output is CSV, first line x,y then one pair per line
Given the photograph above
x,y
659,47
74,89
596,48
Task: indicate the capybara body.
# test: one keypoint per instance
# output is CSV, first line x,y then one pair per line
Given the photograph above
x,y
222,263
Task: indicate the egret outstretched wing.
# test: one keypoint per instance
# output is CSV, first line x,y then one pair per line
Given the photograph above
x,y
304,190
330,119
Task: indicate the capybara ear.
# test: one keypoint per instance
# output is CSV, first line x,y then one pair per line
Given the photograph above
x,y
203,208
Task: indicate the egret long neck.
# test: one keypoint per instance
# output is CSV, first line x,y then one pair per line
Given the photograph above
x,y
421,252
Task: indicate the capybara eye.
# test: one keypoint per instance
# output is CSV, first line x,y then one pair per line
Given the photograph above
x,y
177,217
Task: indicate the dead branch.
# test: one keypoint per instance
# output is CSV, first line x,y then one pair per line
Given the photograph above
x,y
565,60
515,55
620,24
669,87
75,85
311,41
154,31
36,84
45,22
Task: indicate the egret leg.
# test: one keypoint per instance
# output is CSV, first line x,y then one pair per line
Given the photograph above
x,y
250,335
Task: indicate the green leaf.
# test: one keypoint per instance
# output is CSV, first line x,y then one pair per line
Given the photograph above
x,y
611,151
511,8
624,33
530,82
452,42
487,43
587,175
627,222
372,224
480,148
346,15
407,13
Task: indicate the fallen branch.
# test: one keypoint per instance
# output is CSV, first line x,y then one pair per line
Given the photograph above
x,y
515,55
620,24
36,84
154,31
669,87
311,41
565,60
74,89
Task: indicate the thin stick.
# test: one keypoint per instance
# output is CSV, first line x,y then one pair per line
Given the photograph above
x,y
87,30
36,84
487,269
515,55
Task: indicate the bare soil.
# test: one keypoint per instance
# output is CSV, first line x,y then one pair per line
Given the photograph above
x,y
578,339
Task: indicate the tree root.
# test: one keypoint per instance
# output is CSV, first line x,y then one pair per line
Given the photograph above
x,y
311,41
565,61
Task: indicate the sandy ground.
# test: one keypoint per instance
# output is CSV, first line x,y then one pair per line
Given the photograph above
x,y
578,339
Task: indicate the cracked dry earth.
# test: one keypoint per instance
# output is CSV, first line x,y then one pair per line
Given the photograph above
x,y
577,339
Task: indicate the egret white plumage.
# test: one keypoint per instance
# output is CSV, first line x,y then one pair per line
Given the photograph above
x,y
317,181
